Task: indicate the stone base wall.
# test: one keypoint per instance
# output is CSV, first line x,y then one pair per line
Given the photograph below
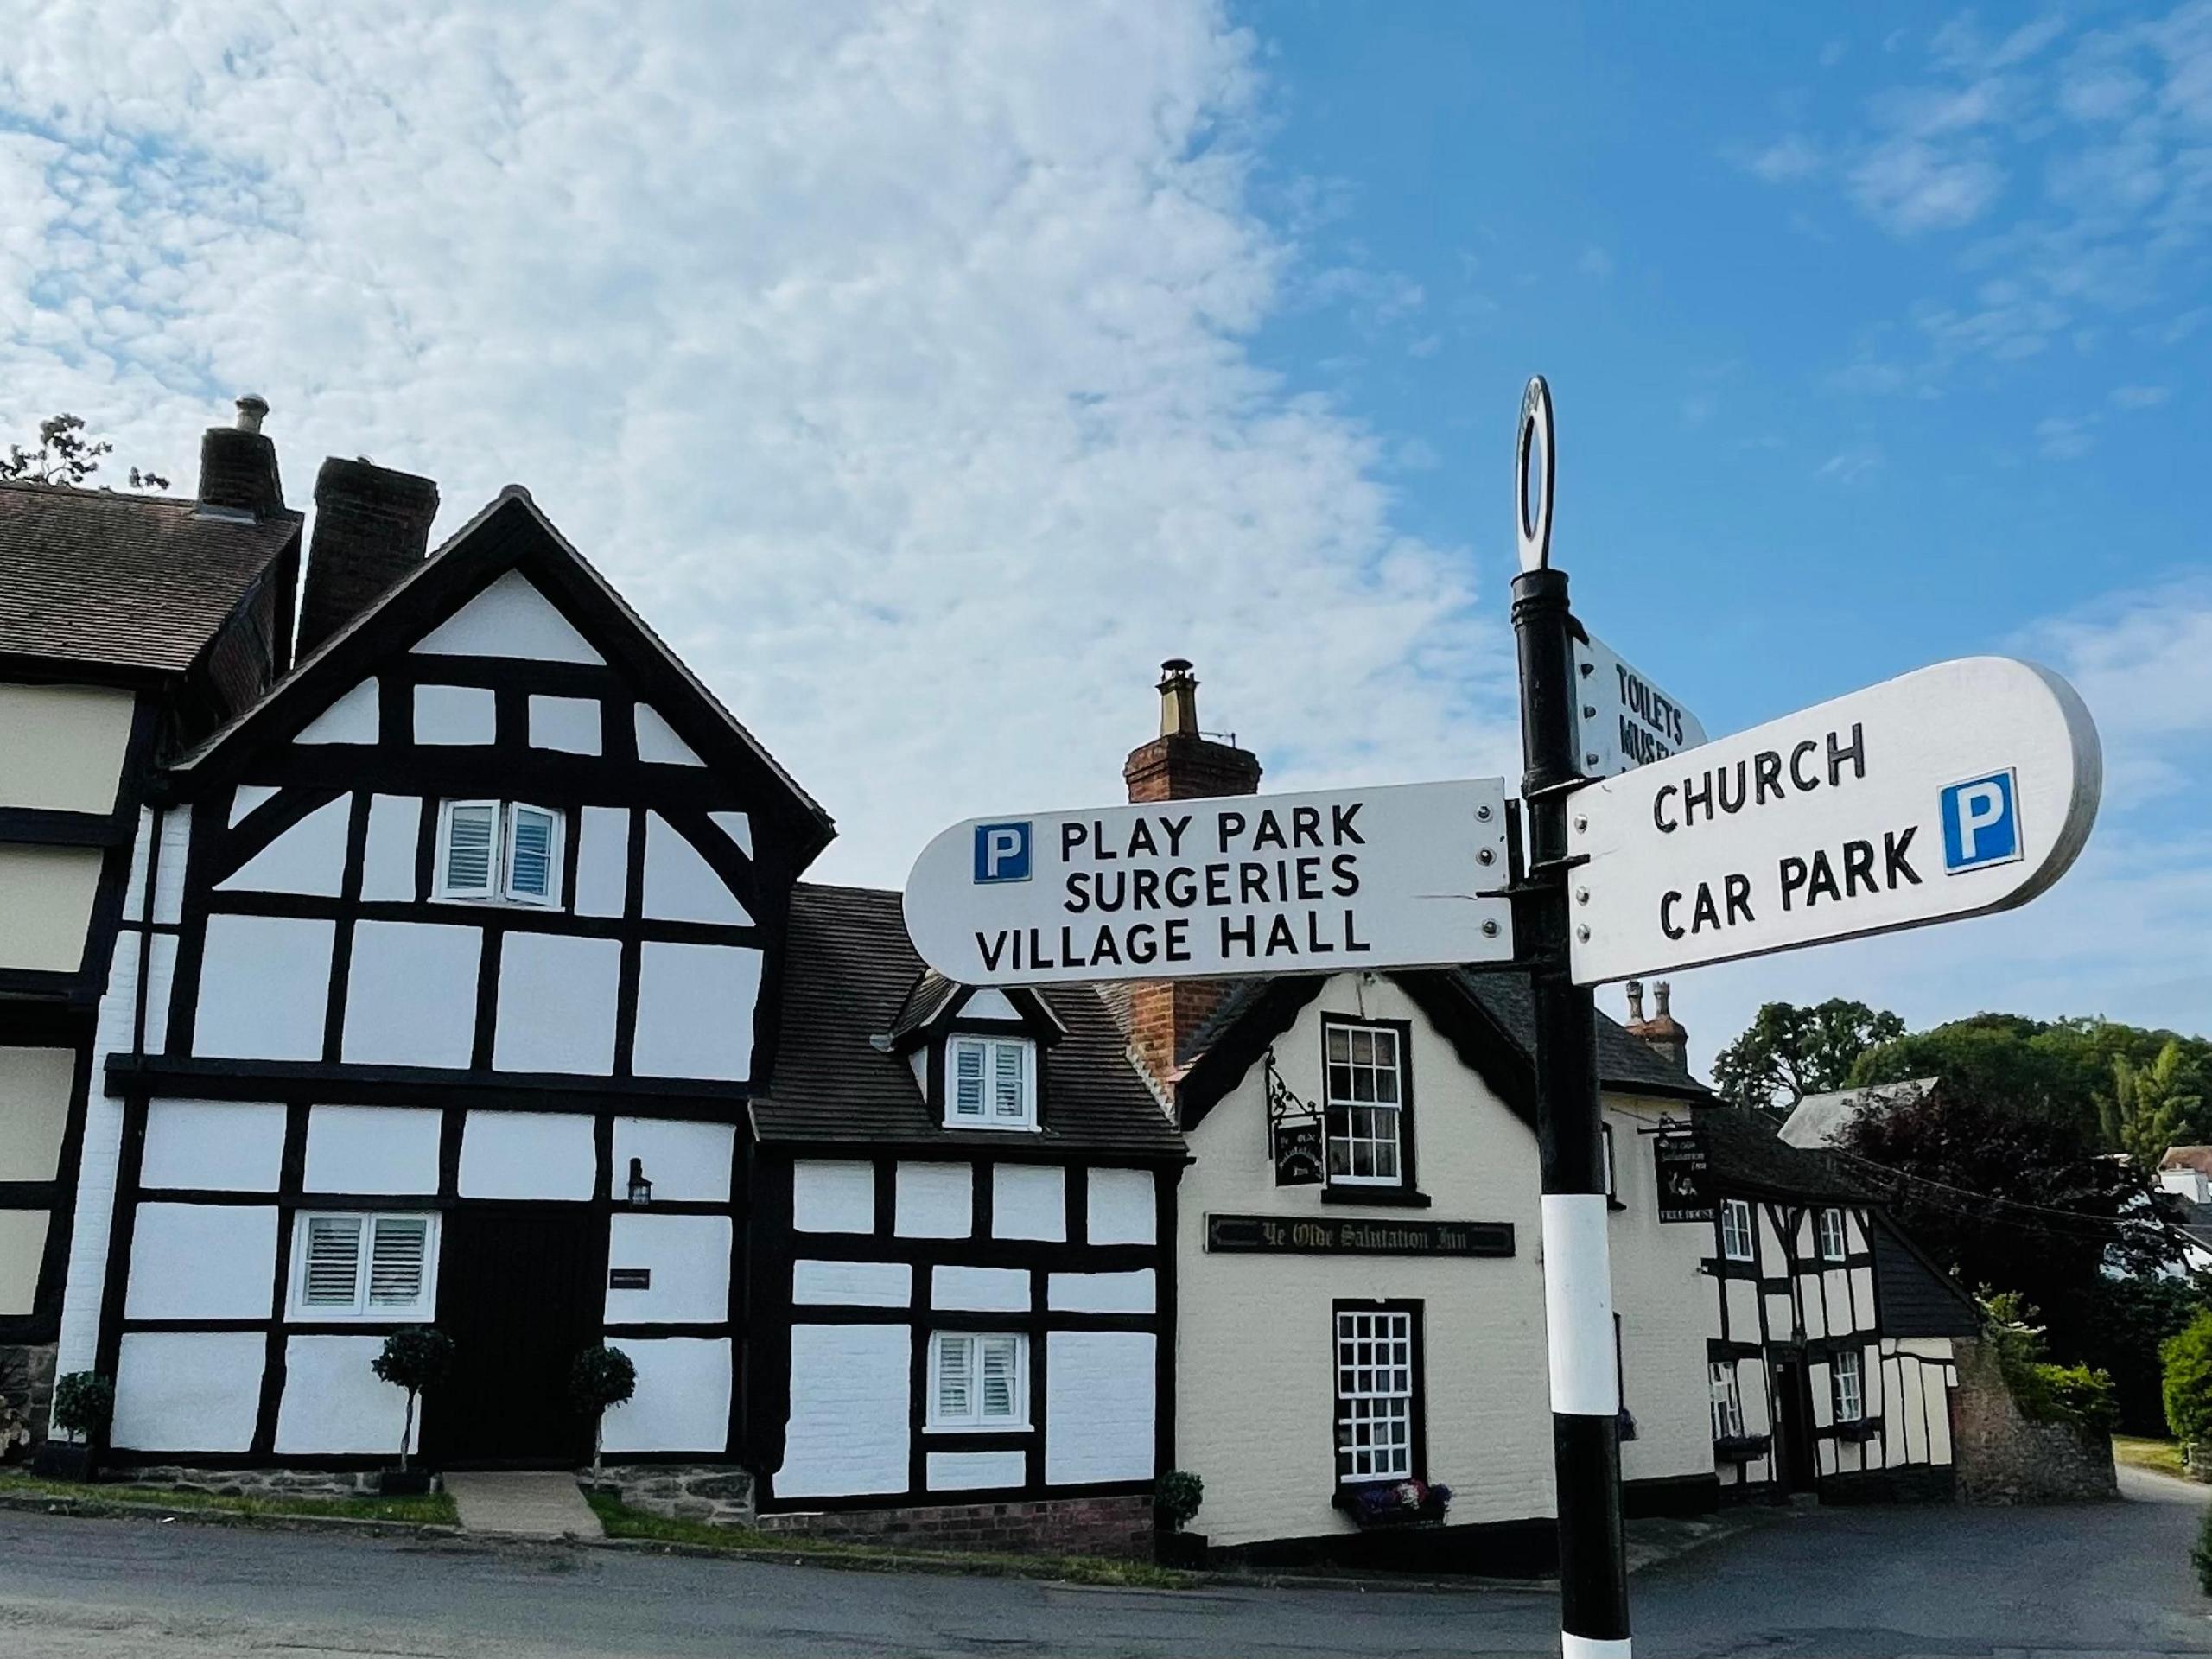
x,y
713,1493
2007,1457
26,1383
1119,1527
251,1482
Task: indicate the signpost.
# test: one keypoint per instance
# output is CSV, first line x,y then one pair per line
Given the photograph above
x,y
1625,721
1402,876
1962,789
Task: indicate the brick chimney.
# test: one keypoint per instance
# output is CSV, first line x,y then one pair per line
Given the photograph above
x,y
371,527
1181,764
1662,1030
237,466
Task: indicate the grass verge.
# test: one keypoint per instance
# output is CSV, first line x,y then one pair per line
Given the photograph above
x,y
623,1521
2163,1456
432,1510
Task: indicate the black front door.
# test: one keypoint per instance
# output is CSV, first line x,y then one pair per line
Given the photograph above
x,y
520,1292
1793,1426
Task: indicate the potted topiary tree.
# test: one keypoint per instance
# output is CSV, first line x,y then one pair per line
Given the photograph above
x,y
416,1359
1173,1507
603,1378
83,1405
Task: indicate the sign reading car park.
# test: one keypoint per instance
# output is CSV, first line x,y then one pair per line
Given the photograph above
x,y
1407,875
1962,789
1624,720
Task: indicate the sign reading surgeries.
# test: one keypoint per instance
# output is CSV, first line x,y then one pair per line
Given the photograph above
x,y
1955,791
1624,719
1408,875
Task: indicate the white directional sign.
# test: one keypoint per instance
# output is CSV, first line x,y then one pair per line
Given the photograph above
x,y
1624,720
1240,886
1960,789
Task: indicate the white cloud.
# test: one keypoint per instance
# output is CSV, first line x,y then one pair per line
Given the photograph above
x,y
2063,437
1848,467
891,358
2139,396
1790,157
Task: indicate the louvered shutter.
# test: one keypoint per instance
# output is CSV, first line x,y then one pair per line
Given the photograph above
x,y
399,1248
1006,1081
955,1378
333,1262
529,853
472,835
1002,1372
968,1080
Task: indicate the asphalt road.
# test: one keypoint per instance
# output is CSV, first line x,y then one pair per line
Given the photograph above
x,y
2108,1582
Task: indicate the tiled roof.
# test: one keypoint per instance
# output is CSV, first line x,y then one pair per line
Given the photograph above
x,y
2197,1157
849,968
1818,1119
1744,1152
124,581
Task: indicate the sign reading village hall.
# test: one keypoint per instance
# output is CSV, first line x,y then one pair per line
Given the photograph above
x,y
1402,876
1962,789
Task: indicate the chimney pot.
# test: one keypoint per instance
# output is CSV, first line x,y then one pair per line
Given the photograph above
x,y
237,466
1635,1000
1179,699
253,408
371,527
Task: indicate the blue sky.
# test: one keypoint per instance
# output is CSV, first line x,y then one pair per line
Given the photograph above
x,y
928,373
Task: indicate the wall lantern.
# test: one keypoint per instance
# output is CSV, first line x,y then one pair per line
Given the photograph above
x,y
641,1190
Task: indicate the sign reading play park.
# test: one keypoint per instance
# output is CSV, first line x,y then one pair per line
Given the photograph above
x,y
1625,721
1394,877
1958,790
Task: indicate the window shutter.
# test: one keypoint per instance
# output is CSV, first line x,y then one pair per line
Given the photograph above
x,y
397,1256
333,1267
529,853
1006,1081
954,1390
999,1374
968,1080
471,828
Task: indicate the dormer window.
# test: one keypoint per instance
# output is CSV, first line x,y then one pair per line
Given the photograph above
x,y
990,1083
498,851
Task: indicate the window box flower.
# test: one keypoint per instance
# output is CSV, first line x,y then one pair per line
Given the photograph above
x,y
1741,1448
1380,1503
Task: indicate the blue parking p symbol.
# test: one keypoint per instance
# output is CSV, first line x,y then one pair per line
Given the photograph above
x,y
1002,852
1980,827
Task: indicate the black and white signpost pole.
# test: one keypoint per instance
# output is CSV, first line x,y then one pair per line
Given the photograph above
x,y
1578,1280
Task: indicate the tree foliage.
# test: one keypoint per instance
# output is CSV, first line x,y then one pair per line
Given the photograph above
x,y
416,1358
2188,1359
65,456
2150,1107
1789,1053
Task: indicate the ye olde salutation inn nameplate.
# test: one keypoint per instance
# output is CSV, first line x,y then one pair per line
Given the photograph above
x,y
1334,1235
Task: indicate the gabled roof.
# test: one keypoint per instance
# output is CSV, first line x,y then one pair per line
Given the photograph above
x,y
511,534
848,966
1745,1155
1817,1120
134,582
934,1002
1917,1298
2196,1158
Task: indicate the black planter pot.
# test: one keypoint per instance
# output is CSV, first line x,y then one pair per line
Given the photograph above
x,y
66,1460
1186,1549
404,1482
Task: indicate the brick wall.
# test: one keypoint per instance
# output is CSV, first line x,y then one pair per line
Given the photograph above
x,y
1119,1527
2007,1457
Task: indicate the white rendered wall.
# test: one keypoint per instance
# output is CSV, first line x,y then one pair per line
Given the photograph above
x,y
602,857
309,857
372,1149
334,1405
351,718
694,1011
201,1261
935,1201
410,998
34,1084
689,1259
388,856
161,983
687,1163
852,1415
1099,1387
557,998
568,724
965,1471
221,1146
264,988
84,1287
455,714
1101,1293
23,1253
832,1196
1029,1201
510,618
527,1155
682,1399
680,885
188,1390
852,1284
982,1289
658,741
61,746
46,894
245,799
1121,1207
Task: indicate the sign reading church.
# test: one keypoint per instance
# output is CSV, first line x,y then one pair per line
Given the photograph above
x,y
1403,876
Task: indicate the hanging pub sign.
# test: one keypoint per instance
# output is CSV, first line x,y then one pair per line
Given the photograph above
x,y
1294,1133
1680,1163
1331,1236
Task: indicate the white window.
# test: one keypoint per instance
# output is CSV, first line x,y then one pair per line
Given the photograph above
x,y
1727,1400
499,850
1375,1396
1833,1247
1365,1097
990,1083
979,1381
1843,1377
1736,1230
375,1266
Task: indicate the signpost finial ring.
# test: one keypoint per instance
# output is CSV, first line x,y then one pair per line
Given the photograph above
x,y
1534,521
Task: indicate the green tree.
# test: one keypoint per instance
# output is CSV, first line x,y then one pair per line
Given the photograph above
x,y
65,456
2150,1108
2188,1359
1789,1052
